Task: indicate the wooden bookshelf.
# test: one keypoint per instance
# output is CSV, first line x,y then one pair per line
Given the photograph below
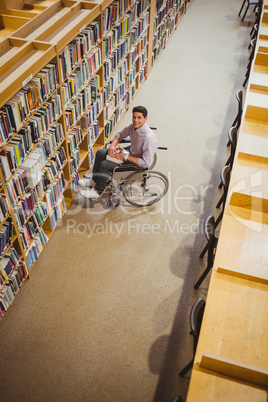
x,y
68,72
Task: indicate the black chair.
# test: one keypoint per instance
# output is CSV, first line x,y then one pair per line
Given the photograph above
x,y
237,120
251,56
258,17
232,135
255,30
252,51
209,229
249,3
225,178
196,316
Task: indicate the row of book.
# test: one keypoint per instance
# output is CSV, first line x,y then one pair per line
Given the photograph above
x,y
132,90
132,75
113,37
142,42
31,228
10,261
55,191
115,10
36,247
121,29
115,99
120,52
142,74
109,126
30,174
169,9
16,151
139,28
77,81
38,214
4,207
75,182
73,113
78,48
87,67
93,133
159,4
49,145
75,161
19,108
133,55
74,138
6,235
53,168
108,109
57,212
17,186
27,204
117,114
91,156
92,112
13,284
32,170
142,59
121,91
157,50
114,60
110,14
136,11
176,4
111,86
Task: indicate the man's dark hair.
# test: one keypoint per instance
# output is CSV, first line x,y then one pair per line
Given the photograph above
x,y
140,109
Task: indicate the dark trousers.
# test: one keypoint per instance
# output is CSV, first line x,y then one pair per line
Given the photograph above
x,y
102,169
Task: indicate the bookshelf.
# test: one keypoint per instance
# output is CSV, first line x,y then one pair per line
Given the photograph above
x,y
68,72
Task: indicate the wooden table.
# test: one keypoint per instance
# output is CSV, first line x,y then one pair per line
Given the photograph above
x,y
231,361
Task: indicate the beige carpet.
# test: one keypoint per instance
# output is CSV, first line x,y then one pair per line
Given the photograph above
x,y
105,316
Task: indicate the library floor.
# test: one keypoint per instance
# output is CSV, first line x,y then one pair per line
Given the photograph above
x,y
105,316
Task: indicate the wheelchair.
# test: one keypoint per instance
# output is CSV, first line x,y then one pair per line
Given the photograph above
x,y
139,187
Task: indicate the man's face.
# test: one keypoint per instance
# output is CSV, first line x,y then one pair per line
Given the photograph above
x,y
138,120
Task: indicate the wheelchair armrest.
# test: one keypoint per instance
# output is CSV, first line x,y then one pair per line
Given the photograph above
x,y
124,167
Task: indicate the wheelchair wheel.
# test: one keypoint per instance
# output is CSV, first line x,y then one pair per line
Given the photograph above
x,y
145,188
113,202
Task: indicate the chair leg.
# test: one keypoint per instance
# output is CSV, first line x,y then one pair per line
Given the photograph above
x,y
218,219
245,13
235,121
186,368
228,161
220,201
202,277
247,77
241,8
204,251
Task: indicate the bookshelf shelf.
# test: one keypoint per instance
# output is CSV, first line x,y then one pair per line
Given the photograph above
x,y
26,63
69,70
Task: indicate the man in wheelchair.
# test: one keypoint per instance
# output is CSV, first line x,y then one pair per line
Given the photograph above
x,y
141,153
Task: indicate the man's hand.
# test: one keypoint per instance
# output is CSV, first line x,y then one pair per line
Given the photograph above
x,y
120,156
112,151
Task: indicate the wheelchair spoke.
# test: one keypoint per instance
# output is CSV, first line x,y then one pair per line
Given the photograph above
x,y
145,188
